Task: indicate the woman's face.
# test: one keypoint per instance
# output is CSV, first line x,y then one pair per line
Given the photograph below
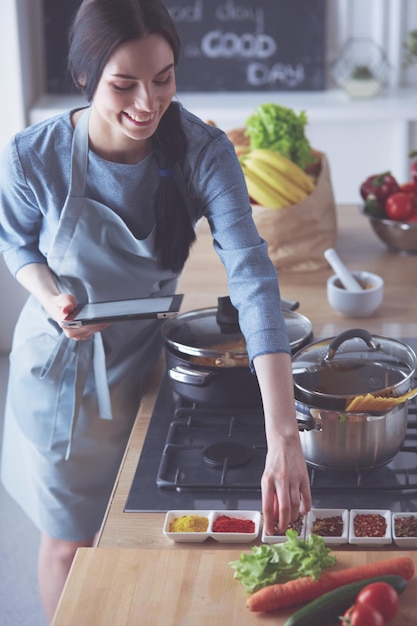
x,y
134,91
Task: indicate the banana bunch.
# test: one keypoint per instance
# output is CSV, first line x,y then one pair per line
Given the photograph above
x,y
274,181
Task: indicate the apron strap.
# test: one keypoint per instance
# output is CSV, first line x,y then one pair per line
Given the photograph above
x,y
64,352
100,375
79,161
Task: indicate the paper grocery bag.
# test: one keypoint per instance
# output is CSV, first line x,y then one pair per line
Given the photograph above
x,y
298,235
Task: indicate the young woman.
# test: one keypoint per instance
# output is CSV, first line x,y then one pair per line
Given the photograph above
x,y
100,204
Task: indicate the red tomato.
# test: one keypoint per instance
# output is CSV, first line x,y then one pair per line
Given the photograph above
x,y
413,217
409,187
363,615
382,597
399,206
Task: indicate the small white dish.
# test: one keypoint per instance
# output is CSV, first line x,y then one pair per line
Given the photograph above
x,y
281,538
194,537
233,537
221,537
323,514
371,540
356,303
403,542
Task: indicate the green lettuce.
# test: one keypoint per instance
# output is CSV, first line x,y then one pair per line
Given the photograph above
x,y
278,563
279,128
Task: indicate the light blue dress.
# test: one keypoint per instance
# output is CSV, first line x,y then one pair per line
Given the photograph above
x,y
71,405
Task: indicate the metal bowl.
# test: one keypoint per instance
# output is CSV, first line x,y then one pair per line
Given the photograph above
x,y
400,237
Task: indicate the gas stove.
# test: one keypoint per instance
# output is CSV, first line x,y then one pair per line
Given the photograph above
x,y
195,457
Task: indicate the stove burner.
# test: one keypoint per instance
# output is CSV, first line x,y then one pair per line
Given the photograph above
x,y
235,454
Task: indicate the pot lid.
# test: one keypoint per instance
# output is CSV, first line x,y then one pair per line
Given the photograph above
x,y
200,333
353,363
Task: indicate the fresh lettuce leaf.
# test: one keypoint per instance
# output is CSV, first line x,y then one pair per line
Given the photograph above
x,y
278,563
279,128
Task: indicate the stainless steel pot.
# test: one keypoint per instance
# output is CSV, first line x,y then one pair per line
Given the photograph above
x,y
207,360
350,441
330,372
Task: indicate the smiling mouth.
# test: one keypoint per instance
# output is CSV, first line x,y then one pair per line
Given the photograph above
x,y
141,119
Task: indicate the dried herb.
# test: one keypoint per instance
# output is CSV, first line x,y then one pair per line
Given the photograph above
x,y
296,525
328,526
405,526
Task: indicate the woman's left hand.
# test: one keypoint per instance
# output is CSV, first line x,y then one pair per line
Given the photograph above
x,y
285,481
285,484
66,303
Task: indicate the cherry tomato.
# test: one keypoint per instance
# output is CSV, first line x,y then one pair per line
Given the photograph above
x,y
363,615
382,597
399,206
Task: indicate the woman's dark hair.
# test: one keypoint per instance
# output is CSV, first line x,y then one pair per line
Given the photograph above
x,y
98,28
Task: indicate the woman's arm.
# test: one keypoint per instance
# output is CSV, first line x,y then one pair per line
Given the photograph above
x,y
38,279
285,481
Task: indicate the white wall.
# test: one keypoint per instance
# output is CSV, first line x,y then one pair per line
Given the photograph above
x,y
384,21
12,118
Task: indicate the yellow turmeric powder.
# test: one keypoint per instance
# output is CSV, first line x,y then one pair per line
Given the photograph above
x,y
189,524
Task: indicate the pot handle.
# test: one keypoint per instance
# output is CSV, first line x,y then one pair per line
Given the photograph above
x,y
360,333
182,374
304,418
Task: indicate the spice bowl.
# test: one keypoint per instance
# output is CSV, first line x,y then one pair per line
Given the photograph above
x,y
220,526
330,524
299,525
374,526
228,520
404,530
187,517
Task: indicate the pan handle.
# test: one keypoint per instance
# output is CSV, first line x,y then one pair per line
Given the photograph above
x,y
352,333
289,305
182,374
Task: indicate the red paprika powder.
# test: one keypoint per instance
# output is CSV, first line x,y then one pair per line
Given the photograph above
x,y
226,524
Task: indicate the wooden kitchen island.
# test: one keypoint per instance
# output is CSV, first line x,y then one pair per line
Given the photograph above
x,y
136,575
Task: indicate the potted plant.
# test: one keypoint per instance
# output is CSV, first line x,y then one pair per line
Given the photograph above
x,y
362,83
361,68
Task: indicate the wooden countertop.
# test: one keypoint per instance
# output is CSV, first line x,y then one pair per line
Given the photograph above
x,y
137,586
203,281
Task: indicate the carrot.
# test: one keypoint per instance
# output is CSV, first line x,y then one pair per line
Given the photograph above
x,y
302,590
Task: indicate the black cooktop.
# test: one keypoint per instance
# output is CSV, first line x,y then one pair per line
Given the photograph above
x,y
203,458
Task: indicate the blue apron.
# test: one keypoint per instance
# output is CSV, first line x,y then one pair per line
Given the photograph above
x,y
71,404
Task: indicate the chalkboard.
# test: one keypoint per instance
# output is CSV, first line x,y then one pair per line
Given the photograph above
x,y
250,45
227,45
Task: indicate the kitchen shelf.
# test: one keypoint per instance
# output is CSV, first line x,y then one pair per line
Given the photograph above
x,y
359,137
231,109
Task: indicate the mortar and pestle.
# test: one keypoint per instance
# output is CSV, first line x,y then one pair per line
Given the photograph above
x,y
353,294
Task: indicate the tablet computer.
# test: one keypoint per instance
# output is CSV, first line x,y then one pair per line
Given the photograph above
x,y
118,310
